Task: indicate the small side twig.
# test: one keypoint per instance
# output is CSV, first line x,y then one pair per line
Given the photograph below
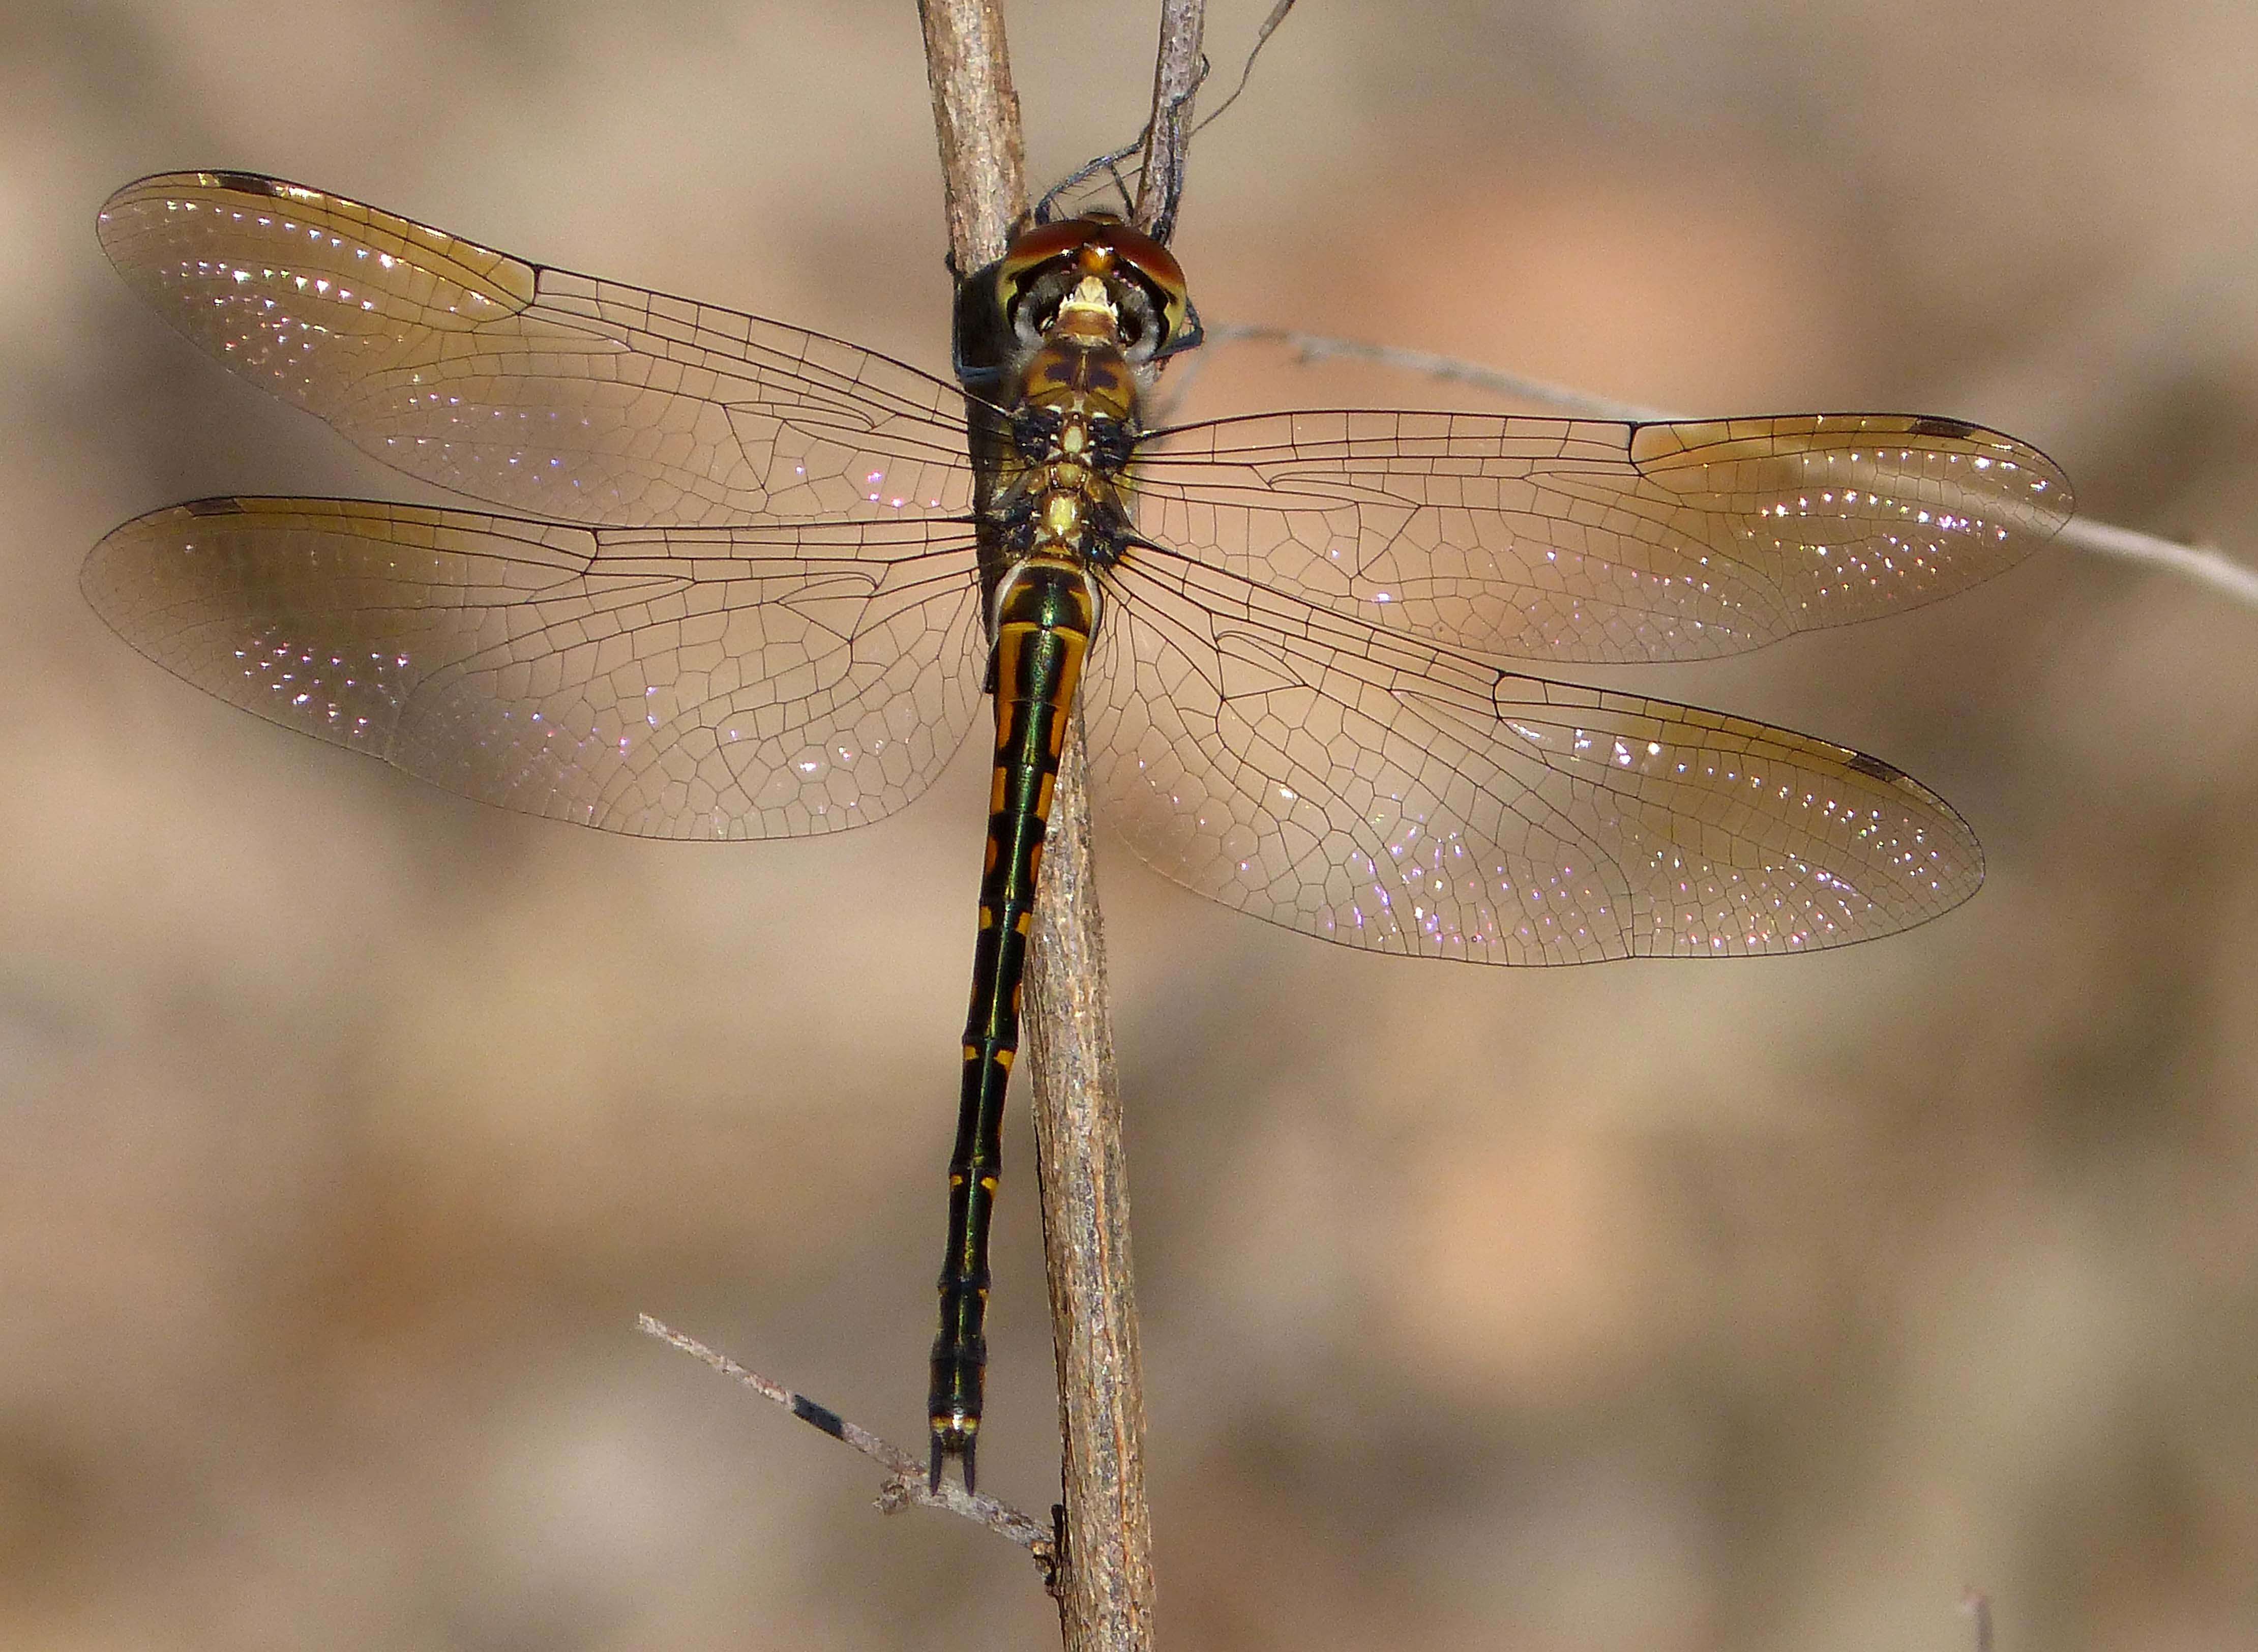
x,y
905,1483
1177,69
2217,573
1310,346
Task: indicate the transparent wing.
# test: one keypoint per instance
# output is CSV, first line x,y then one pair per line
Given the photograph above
x,y
673,682
539,390
1340,779
1581,540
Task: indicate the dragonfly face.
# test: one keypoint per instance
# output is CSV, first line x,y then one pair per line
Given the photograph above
x,y
1141,278
746,580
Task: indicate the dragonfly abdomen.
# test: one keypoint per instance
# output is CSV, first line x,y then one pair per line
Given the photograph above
x,y
1046,613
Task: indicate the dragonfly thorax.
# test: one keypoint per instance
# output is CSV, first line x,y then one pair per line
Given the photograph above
x,y
1073,435
1074,427
1063,496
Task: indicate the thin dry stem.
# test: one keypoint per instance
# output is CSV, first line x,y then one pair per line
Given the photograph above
x,y
1106,1586
905,1482
2211,569
1310,346
1176,70
1103,1579
1082,1174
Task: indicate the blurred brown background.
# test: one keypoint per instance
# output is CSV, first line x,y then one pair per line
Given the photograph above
x,y
344,1126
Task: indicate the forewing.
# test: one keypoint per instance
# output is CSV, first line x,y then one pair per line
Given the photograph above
x,y
1343,781
1581,540
537,389
664,683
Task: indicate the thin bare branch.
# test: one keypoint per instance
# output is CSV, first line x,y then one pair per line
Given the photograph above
x,y
1106,1582
1083,1177
1167,188
2216,572
906,1471
1310,346
1247,70
1176,73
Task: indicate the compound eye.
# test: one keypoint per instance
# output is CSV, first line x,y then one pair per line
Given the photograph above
x,y
1033,303
1038,270
1146,265
1142,325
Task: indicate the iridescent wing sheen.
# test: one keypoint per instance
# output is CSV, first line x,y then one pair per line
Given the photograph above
x,y
664,682
536,389
1344,781
1585,541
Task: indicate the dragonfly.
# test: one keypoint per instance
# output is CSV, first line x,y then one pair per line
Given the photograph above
x,y
747,581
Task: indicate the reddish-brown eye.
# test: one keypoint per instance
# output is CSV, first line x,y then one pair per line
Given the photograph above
x,y
1145,261
1148,257
1041,245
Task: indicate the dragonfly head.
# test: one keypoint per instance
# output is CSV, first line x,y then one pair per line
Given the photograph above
x,y
1066,274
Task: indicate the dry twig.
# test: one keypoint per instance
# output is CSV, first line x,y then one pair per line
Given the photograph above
x,y
1105,1581
1177,68
1106,1585
905,1483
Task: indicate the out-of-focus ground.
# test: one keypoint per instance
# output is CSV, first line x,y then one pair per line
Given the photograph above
x,y
344,1126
